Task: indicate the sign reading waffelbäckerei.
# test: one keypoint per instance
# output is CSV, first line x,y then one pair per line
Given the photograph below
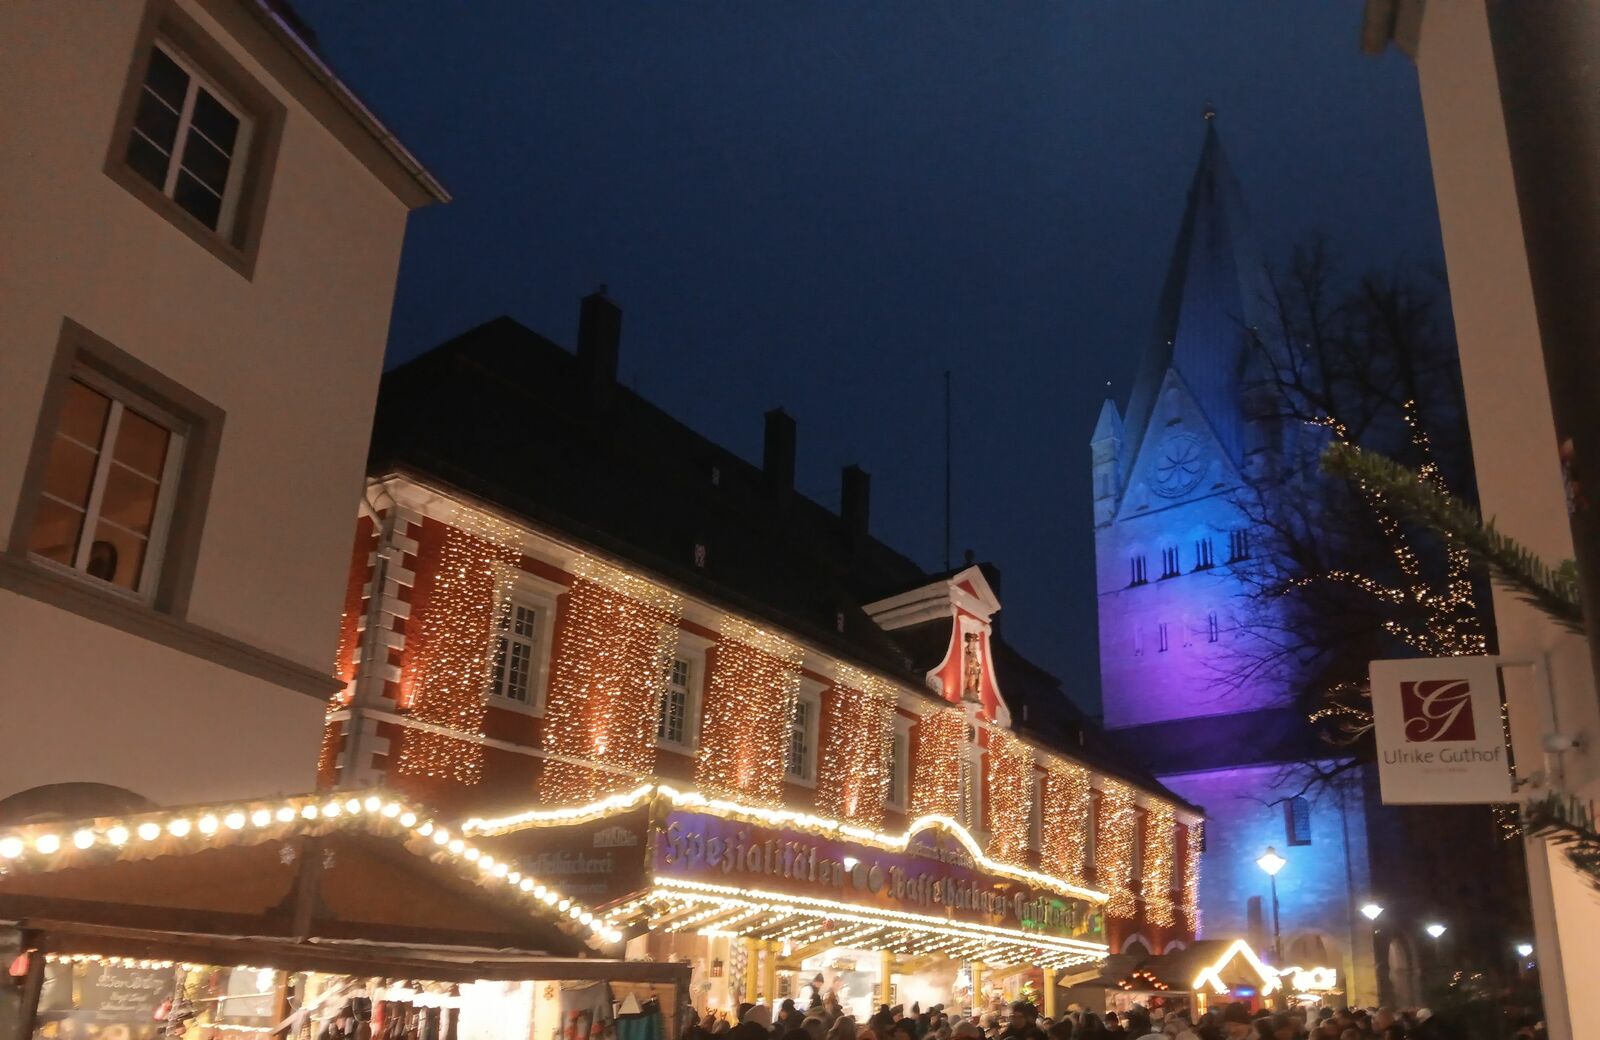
x,y
1439,734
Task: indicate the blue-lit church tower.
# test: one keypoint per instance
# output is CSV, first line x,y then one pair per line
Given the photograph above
x,y
1188,677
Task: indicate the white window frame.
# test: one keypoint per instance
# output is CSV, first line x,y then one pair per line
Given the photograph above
x,y
692,651
541,597
123,398
899,771
813,732
228,205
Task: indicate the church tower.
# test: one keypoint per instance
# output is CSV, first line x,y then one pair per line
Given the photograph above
x,y
1182,641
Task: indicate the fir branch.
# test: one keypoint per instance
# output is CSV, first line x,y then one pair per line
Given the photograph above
x,y
1553,590
1570,824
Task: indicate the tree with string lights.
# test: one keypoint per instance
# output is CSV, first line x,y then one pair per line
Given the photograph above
x,y
1337,576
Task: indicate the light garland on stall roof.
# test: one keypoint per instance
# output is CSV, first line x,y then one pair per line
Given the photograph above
x,y
1116,830
1010,797
749,712
930,929
786,818
1068,806
1194,840
47,847
937,767
853,762
619,636
453,658
1160,844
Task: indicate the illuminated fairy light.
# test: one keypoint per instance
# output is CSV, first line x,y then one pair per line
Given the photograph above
x,y
1117,829
937,769
619,637
1160,844
1068,803
791,905
41,848
749,713
1010,797
451,660
560,816
857,731
1193,840
1211,976
784,818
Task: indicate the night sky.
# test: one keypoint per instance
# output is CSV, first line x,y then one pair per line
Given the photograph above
x,y
825,205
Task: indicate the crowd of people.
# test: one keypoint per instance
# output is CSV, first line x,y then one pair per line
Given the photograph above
x,y
826,1020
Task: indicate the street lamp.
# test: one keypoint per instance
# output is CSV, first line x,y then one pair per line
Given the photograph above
x,y
1371,911
1271,862
1435,929
1524,950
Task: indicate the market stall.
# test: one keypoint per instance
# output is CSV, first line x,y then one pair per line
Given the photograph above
x,y
771,904
270,918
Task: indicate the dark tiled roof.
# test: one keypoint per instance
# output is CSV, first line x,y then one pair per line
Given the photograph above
x,y
1266,737
1213,288
505,416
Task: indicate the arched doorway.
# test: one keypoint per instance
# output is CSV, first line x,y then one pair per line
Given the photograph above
x,y
1405,972
1136,946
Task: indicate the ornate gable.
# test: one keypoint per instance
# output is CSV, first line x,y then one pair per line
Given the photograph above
x,y
1180,460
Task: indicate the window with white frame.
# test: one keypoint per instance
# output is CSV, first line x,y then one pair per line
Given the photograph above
x,y
106,495
189,139
801,761
517,653
673,721
899,767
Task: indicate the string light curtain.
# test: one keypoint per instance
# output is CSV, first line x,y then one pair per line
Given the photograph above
x,y
1010,800
1194,839
1116,829
1068,802
936,772
749,714
1160,838
452,658
857,731
618,638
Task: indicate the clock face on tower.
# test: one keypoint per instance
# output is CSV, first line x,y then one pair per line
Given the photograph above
x,y
1180,463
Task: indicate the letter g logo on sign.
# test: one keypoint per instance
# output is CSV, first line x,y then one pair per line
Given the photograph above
x,y
1437,709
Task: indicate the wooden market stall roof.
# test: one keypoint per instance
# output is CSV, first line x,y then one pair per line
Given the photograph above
x,y
331,881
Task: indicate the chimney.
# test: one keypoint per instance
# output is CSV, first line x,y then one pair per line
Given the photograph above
x,y
855,499
599,335
777,453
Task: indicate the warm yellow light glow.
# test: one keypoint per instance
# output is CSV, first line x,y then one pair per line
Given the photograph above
x,y
749,713
1212,976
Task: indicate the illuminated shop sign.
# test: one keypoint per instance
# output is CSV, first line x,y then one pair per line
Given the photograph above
x,y
933,875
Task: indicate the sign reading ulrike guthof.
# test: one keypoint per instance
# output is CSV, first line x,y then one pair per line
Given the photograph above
x,y
1439,734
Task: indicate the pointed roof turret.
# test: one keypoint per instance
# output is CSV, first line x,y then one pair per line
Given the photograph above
x,y
1213,290
1109,426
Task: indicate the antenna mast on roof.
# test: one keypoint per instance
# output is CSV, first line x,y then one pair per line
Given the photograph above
x,y
947,469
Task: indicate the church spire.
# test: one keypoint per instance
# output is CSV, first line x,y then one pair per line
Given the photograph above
x,y
1213,288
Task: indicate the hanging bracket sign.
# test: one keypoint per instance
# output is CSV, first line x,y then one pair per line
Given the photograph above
x,y
1439,731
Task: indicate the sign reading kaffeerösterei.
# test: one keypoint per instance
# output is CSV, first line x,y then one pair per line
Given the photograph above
x,y
934,876
1439,733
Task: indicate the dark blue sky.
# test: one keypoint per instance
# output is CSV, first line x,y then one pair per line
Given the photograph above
x,y
825,205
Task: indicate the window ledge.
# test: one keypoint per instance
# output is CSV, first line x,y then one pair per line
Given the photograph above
x,y
517,707
675,747
77,596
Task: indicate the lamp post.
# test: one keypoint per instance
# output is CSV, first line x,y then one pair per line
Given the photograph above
x,y
1271,862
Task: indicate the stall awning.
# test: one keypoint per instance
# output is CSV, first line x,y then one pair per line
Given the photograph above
x,y
678,861
322,882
